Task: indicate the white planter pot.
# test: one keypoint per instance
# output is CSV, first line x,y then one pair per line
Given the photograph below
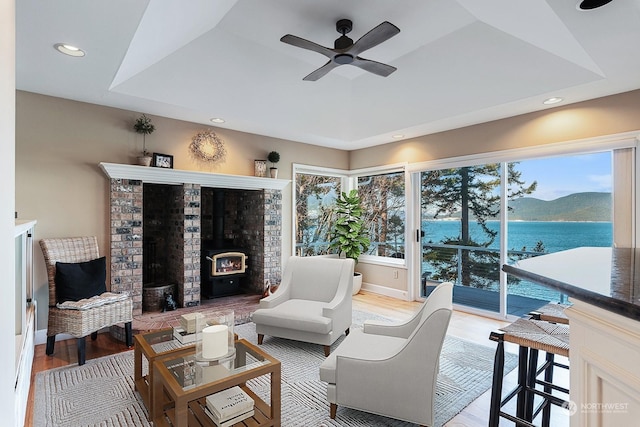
x,y
144,160
357,282
274,172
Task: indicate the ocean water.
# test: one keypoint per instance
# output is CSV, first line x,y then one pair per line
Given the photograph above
x,y
555,236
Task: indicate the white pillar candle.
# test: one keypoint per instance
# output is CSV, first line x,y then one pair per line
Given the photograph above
x,y
215,341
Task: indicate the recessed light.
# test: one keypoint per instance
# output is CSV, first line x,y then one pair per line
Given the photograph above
x,y
216,120
397,136
591,4
68,49
553,100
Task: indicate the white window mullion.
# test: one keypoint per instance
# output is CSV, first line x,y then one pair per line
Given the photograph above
x,y
623,197
504,231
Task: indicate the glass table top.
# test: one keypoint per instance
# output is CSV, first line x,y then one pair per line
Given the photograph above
x,y
163,341
189,371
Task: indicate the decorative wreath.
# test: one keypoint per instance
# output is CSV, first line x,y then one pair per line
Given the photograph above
x,y
207,146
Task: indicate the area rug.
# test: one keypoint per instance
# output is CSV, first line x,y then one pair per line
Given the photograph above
x,y
101,392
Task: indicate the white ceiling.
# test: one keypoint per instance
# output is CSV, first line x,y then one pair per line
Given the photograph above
x,y
459,62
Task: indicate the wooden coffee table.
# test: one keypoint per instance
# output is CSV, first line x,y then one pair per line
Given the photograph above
x,y
180,387
154,345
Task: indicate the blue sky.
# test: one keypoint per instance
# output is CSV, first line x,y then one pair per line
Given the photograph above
x,y
560,176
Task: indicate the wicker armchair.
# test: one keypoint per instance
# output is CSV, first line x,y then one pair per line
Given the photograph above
x,y
83,322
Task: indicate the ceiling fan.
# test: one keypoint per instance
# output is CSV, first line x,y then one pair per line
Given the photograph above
x,y
345,51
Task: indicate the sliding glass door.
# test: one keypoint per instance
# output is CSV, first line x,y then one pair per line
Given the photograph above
x,y
474,218
461,233
570,207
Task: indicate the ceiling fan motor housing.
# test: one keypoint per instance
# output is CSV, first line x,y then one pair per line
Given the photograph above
x,y
343,26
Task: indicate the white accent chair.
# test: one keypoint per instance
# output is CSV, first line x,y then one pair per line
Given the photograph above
x,y
312,303
391,369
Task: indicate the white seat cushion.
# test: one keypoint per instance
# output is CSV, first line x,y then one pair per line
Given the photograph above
x,y
360,346
301,315
93,302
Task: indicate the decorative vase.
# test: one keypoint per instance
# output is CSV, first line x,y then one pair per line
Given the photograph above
x,y
144,160
357,282
274,172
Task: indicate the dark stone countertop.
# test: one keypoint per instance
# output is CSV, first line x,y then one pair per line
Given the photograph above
x,y
605,277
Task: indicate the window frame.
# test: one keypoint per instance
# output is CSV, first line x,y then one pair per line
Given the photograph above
x,y
311,170
575,147
383,170
349,180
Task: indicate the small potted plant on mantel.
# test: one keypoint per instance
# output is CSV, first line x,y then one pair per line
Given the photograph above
x,y
349,235
144,126
273,157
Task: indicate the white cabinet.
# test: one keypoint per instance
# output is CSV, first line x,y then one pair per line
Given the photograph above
x,y
25,312
605,367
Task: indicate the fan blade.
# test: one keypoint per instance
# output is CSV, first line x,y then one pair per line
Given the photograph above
x,y
374,67
321,71
379,34
306,44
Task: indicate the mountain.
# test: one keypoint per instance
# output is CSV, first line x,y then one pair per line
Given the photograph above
x,y
574,207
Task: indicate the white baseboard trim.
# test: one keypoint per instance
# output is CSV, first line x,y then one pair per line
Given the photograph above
x,y
41,336
383,290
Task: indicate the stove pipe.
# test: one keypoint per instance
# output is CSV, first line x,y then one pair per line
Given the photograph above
x,y
218,218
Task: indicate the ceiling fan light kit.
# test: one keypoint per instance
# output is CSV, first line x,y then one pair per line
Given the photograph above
x,y
345,51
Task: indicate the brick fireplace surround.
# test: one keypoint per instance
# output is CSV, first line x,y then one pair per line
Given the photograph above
x,y
261,230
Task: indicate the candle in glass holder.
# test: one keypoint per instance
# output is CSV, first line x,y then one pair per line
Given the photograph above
x,y
215,341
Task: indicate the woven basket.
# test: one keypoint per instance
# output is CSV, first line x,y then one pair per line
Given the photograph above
x,y
153,296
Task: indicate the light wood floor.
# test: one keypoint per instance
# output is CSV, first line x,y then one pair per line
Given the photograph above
x,y
463,325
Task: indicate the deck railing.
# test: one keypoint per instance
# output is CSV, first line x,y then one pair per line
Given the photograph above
x,y
483,273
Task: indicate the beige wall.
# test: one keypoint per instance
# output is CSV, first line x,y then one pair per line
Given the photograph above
x,y
385,279
61,142
603,116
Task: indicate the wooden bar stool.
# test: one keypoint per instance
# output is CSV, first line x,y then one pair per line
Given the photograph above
x,y
531,336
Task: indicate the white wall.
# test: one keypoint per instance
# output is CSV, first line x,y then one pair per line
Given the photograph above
x,y
7,198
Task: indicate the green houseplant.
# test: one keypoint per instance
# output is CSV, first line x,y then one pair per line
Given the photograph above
x,y
349,235
273,157
144,126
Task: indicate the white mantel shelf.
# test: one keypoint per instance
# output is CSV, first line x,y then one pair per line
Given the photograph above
x,y
205,179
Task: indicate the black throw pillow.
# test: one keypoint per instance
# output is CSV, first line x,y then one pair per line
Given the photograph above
x,y
75,281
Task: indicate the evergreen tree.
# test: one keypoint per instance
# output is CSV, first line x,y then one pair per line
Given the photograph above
x,y
312,229
471,192
383,200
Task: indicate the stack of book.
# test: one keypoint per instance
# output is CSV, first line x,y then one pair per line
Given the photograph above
x,y
186,332
183,336
188,322
229,406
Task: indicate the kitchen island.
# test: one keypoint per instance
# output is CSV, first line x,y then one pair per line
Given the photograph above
x,y
603,285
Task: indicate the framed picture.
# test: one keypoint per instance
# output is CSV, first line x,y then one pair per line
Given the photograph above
x,y
162,161
260,168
